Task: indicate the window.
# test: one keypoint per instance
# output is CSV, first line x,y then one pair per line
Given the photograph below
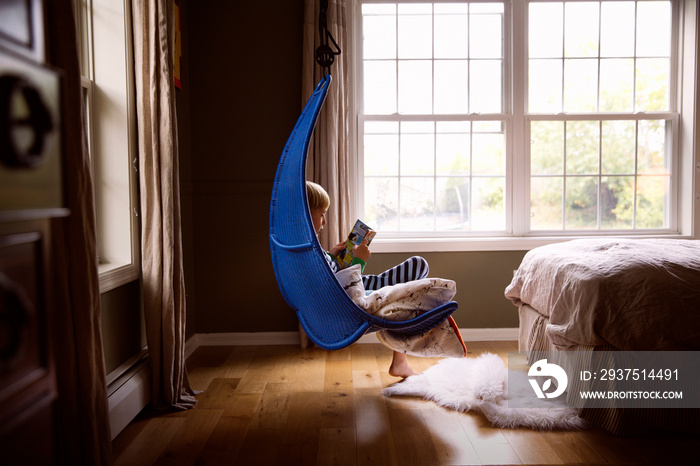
x,y
609,170
104,35
525,119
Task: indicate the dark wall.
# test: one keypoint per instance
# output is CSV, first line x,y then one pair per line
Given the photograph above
x,y
481,278
182,101
243,63
241,97
123,326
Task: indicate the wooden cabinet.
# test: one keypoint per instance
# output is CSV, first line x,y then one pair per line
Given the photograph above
x,y
27,376
30,196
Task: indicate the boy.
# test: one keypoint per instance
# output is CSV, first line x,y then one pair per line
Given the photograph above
x,y
414,268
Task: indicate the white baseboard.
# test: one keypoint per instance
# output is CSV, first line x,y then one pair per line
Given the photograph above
x,y
128,395
292,338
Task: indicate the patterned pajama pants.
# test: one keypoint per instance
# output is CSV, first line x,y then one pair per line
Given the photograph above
x,y
411,269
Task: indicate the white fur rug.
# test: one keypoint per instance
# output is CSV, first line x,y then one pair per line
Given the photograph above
x,y
481,385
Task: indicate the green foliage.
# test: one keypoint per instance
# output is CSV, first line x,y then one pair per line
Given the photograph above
x,y
613,143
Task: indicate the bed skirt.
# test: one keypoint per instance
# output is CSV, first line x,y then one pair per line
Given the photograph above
x,y
618,421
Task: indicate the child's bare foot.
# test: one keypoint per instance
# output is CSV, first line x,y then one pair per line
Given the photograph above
x,y
399,366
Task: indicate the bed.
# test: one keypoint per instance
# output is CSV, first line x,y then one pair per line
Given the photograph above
x,y
613,295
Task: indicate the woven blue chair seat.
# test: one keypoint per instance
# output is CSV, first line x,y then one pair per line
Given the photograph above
x,y
326,313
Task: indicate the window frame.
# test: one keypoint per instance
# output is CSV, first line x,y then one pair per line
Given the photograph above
x,y
685,169
108,86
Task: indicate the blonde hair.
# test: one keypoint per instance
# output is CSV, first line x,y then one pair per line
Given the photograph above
x,y
317,196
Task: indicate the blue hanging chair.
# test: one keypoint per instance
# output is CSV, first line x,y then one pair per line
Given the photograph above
x,y
326,313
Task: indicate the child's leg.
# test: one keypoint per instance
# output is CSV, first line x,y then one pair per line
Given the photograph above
x,y
415,268
399,366
411,269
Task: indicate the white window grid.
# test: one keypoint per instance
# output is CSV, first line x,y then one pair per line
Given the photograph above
x,y
516,122
106,66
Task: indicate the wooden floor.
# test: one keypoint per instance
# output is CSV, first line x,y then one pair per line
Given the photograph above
x,y
284,405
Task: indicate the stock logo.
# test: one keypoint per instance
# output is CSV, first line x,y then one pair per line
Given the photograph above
x,y
544,369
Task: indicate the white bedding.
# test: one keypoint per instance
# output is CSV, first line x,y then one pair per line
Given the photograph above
x,y
397,302
633,294
405,301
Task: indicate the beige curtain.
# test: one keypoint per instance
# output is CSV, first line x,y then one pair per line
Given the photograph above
x,y
329,163
161,239
82,413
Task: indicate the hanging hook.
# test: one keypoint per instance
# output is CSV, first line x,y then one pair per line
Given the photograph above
x,y
325,55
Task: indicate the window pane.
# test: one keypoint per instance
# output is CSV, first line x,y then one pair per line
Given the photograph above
x,y
415,8
582,148
417,127
617,29
379,87
617,147
417,204
415,31
378,9
489,7
546,30
381,127
616,202
379,37
652,84
487,126
616,85
415,86
381,203
651,149
487,206
452,148
451,8
417,148
381,154
485,36
547,147
653,29
451,86
451,35
652,192
581,203
546,203
488,154
83,13
545,81
485,86
580,85
581,29
452,204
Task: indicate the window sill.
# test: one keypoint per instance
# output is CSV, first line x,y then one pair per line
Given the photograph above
x,y
115,275
520,243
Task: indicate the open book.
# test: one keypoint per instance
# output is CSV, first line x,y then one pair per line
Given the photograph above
x,y
359,233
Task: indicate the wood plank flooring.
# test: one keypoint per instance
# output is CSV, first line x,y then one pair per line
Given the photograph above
x,y
282,405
